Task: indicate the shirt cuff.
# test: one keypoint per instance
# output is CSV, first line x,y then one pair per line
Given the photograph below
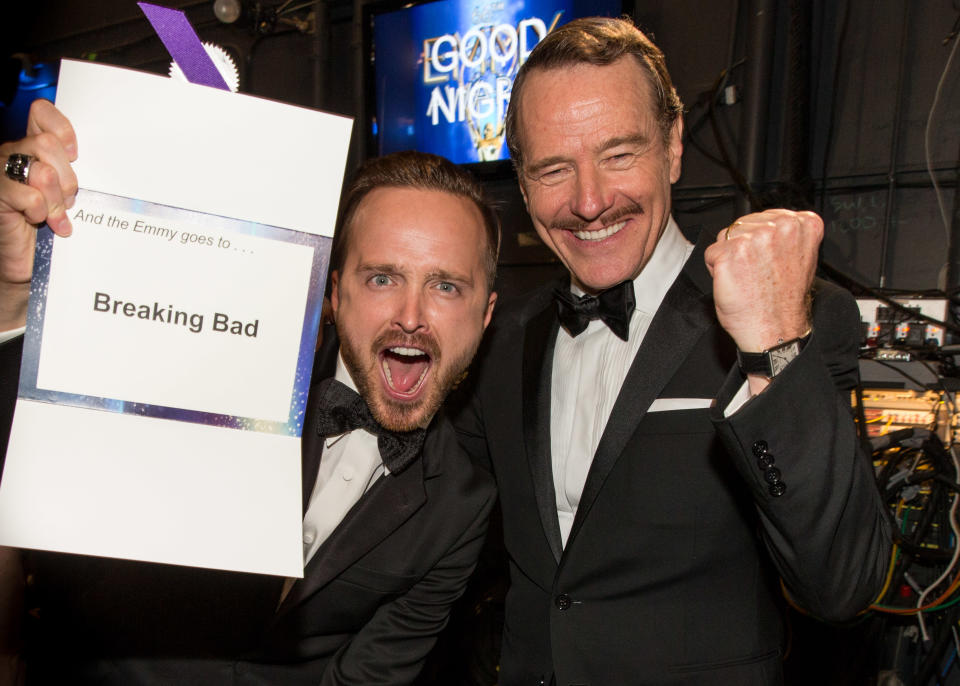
x,y
738,400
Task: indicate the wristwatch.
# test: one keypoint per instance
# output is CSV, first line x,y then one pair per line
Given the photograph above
x,y
773,360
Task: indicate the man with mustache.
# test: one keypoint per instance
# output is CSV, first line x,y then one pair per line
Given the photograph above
x,y
670,427
395,514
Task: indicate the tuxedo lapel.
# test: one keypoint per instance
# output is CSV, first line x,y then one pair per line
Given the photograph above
x,y
388,503
379,512
684,316
539,342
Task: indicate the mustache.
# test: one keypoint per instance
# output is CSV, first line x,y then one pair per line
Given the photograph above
x,y
612,216
422,341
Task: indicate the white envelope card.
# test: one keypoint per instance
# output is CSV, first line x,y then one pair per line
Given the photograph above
x,y
170,339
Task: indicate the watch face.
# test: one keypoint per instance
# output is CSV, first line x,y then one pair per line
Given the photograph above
x,y
781,357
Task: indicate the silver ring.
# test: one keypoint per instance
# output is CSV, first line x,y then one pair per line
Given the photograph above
x,y
17,167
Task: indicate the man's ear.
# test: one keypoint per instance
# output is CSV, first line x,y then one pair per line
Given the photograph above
x,y
491,301
675,149
335,291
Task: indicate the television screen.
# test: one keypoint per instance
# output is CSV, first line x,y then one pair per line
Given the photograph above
x,y
442,71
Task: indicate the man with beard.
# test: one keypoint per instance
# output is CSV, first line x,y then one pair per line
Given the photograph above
x,y
670,426
395,514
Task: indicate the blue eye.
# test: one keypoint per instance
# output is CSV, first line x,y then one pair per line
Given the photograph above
x,y
380,280
447,287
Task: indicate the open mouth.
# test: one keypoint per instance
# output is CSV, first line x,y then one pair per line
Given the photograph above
x,y
404,369
600,234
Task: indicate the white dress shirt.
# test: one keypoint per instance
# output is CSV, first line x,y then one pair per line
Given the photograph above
x,y
349,465
589,369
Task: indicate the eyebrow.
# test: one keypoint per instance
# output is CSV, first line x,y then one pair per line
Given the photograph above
x,y
638,139
437,273
444,275
381,267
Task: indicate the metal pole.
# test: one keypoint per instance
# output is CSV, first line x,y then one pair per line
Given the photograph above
x,y
320,43
894,148
358,143
952,285
753,129
796,162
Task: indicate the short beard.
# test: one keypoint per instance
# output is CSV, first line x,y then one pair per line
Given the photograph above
x,y
393,414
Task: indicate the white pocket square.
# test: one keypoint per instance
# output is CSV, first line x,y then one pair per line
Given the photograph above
x,y
670,404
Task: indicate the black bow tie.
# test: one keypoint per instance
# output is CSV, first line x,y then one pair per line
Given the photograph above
x,y
341,410
614,306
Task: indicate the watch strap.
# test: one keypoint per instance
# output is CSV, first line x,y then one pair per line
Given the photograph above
x,y
773,360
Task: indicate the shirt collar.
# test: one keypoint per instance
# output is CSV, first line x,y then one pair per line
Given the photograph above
x,y
343,376
12,333
668,258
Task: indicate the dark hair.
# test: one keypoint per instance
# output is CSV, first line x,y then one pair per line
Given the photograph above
x,y
599,41
419,170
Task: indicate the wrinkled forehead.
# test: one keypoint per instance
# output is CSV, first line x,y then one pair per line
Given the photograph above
x,y
586,100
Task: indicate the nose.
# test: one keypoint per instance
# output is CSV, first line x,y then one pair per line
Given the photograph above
x,y
410,315
591,197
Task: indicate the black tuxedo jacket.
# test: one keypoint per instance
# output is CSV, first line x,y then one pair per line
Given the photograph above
x,y
367,611
669,575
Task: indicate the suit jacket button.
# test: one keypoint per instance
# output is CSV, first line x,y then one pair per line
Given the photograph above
x,y
778,489
563,601
772,475
765,460
759,448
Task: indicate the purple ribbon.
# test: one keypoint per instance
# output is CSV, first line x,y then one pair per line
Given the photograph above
x,y
183,45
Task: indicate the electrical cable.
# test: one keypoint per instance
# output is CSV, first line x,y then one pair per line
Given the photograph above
x,y
926,139
289,10
952,518
703,205
894,554
738,178
708,99
953,655
925,459
690,130
930,664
